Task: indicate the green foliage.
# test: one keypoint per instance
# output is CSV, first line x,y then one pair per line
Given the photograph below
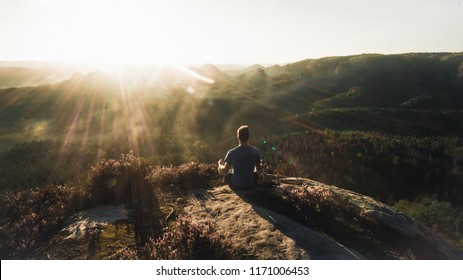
x,y
37,163
438,215
387,167
28,216
435,214
397,120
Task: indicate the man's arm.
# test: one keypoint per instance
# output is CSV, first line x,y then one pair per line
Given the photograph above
x,y
223,167
258,163
258,167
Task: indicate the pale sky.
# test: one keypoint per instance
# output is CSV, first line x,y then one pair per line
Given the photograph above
x,y
224,31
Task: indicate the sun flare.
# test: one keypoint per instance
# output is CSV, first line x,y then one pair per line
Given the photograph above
x,y
124,32
121,33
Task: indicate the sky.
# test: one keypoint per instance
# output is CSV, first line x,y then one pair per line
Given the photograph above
x,y
224,31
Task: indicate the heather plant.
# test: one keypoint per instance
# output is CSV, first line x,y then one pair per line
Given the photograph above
x,y
125,180
28,216
314,202
111,180
127,253
188,240
184,177
268,177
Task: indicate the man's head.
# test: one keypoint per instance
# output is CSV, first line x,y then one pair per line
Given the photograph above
x,y
243,133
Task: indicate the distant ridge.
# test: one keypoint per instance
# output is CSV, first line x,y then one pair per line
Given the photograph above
x,y
210,71
237,72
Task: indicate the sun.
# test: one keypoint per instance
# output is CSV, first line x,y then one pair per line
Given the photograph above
x,y
127,32
122,33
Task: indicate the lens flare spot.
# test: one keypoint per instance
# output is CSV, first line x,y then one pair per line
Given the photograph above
x,y
190,90
112,182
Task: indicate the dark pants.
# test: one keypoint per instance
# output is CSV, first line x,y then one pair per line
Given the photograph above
x,y
228,181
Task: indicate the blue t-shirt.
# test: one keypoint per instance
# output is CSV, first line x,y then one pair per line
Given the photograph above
x,y
243,159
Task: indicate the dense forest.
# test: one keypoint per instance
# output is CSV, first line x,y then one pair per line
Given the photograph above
x,y
387,126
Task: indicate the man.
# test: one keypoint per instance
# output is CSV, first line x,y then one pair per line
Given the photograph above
x,y
245,161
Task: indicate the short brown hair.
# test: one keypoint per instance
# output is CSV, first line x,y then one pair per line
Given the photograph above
x,y
243,133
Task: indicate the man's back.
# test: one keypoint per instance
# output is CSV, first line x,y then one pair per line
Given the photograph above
x,y
243,159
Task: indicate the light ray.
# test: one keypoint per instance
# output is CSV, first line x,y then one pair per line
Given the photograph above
x,y
193,74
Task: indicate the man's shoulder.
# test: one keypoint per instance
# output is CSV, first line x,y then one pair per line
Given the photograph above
x,y
254,149
232,150
231,153
244,149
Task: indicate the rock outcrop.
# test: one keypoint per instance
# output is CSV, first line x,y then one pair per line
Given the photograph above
x,y
362,223
294,218
265,233
303,219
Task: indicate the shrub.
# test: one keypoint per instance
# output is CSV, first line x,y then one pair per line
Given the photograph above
x,y
189,240
438,215
317,204
28,216
127,253
112,180
125,181
184,177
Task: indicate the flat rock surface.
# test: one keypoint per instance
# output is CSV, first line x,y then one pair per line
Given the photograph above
x,y
264,233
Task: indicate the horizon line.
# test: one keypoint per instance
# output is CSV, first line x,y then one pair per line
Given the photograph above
x,y
115,63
